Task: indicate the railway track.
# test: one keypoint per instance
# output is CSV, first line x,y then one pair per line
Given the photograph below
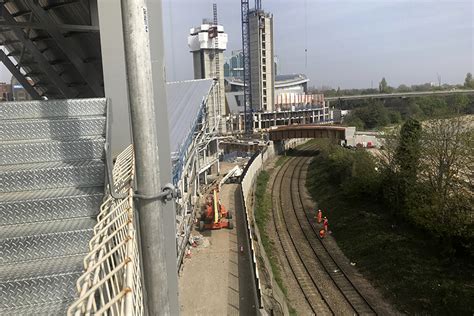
x,y
309,288
326,287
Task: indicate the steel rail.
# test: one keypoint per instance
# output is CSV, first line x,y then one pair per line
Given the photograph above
x,y
347,288
330,292
293,257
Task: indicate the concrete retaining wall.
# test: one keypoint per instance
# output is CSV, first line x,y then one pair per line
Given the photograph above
x,y
248,179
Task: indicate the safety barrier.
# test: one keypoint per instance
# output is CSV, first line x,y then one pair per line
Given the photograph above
x,y
111,283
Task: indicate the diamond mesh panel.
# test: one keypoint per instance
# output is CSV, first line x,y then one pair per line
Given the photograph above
x,y
50,207
39,290
44,246
49,176
53,150
53,108
52,128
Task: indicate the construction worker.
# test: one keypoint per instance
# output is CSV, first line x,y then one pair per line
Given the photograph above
x,y
320,216
322,233
326,224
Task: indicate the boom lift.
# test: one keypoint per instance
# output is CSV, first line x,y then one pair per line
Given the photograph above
x,y
215,215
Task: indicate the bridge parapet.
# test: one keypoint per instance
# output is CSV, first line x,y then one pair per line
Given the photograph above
x,y
337,133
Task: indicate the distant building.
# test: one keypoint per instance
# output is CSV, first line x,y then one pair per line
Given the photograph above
x,y
208,43
18,92
234,65
295,84
5,91
262,60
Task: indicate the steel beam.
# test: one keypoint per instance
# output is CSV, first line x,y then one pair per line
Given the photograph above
x,y
60,4
94,12
43,63
9,42
19,76
42,26
87,71
114,72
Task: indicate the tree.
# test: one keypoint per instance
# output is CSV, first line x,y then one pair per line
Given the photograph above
x,y
374,114
403,88
469,82
408,151
407,158
458,103
383,86
445,173
353,120
394,117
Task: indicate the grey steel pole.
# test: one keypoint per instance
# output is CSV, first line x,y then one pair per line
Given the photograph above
x,y
142,110
157,51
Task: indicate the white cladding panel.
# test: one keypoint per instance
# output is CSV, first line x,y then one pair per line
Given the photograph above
x,y
199,38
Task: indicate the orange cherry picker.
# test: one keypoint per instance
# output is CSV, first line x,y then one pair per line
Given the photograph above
x,y
215,216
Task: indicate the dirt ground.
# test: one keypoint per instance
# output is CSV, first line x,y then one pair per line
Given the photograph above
x,y
216,279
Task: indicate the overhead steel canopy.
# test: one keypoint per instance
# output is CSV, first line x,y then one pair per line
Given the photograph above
x,y
55,43
185,101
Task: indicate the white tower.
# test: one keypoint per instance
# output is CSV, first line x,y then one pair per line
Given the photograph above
x,y
208,43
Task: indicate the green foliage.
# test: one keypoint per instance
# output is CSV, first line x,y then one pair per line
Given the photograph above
x,y
281,161
263,206
433,106
375,114
370,116
383,86
458,103
469,82
352,171
403,259
394,117
403,88
353,120
408,151
412,109
262,203
445,184
399,189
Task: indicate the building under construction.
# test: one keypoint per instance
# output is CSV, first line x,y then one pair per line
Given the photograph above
x,y
207,43
262,63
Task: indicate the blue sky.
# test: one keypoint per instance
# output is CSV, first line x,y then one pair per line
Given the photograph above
x,y
349,43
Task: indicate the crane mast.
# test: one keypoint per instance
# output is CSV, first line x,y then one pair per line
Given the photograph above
x,y
248,117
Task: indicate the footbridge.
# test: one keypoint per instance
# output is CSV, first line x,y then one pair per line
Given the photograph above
x,y
336,133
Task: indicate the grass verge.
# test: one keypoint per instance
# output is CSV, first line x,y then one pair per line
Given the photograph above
x,y
403,262
263,205
281,161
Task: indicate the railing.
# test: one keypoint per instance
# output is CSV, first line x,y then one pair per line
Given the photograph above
x,y
111,283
